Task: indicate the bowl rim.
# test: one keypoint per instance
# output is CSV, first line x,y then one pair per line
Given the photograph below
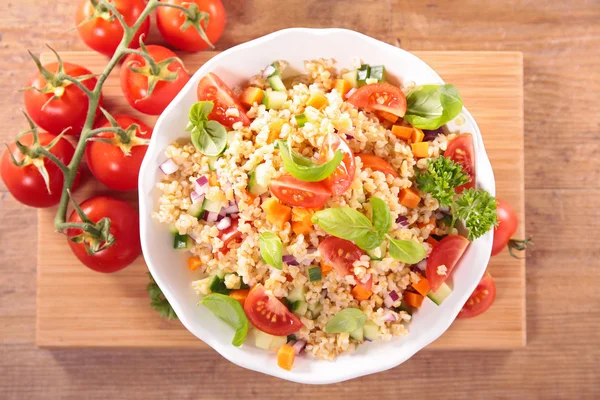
x,y
145,211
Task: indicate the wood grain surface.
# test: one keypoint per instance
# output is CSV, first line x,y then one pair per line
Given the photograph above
x,y
560,41
68,312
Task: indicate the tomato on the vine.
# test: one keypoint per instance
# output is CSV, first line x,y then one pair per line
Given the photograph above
x,y
56,106
101,31
124,226
212,88
135,84
380,97
170,21
26,183
109,163
268,314
481,300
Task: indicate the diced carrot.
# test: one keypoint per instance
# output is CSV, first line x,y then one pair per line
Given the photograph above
x,y
317,100
422,286
302,220
213,181
417,135
251,196
420,149
360,293
342,86
325,268
275,130
286,356
409,197
413,299
431,240
194,263
251,95
277,213
403,132
387,116
239,295
422,225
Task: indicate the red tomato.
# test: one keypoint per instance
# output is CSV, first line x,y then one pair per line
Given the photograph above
x,y
68,110
380,96
230,235
26,183
481,299
461,151
507,226
340,254
268,314
135,85
294,192
170,20
104,35
342,177
108,162
124,226
377,164
447,252
212,88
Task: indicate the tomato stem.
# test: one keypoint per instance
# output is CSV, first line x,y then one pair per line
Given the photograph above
x,y
196,18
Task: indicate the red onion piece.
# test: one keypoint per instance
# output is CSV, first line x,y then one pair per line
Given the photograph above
x,y
269,70
349,137
350,93
299,346
232,208
389,317
291,343
194,237
429,135
394,295
196,197
388,302
422,265
402,221
224,223
289,260
211,217
168,167
201,185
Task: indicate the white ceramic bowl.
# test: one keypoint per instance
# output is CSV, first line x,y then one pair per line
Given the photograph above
x,y
167,266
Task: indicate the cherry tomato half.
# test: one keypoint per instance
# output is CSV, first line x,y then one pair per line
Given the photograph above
x,y
446,252
230,235
212,88
295,192
170,20
461,151
380,96
268,314
342,177
339,254
26,183
507,226
481,300
377,164
124,226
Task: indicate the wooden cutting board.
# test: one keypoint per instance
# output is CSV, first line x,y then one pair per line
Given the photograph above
x,y
77,307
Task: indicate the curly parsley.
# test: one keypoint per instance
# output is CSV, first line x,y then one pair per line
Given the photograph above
x,y
158,300
441,178
477,209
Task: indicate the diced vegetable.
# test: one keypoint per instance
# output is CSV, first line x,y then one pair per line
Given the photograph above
x,y
441,294
325,268
290,259
296,294
271,69
217,285
377,72
262,340
317,100
168,167
299,307
277,342
251,96
378,252
358,334
342,86
302,220
314,274
370,330
194,263
362,74
403,132
197,209
285,357
276,83
422,225
422,286
351,78
299,346
213,180
314,310
420,149
387,116
180,242
431,240
413,299
212,205
277,213
211,163
301,120
417,135
240,295
258,182
360,293
274,100
409,197
275,130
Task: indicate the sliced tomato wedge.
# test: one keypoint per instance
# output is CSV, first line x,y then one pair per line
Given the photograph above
x,y
342,177
482,298
230,235
461,151
295,192
447,252
340,254
380,96
212,88
377,164
268,314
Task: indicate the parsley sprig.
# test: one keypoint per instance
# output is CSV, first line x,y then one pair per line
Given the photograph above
x,y
477,208
441,178
158,300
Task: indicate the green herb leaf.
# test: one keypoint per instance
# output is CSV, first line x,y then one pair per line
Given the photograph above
x,y
477,209
229,311
441,178
271,249
431,106
407,251
349,224
347,320
158,301
200,111
209,137
304,168
381,216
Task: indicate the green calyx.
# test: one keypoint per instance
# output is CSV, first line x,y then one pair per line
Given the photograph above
x,y
198,19
125,139
95,237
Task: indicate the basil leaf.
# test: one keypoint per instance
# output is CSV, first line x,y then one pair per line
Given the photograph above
x,y
431,106
200,111
349,224
381,216
347,320
271,249
407,251
304,168
210,138
229,311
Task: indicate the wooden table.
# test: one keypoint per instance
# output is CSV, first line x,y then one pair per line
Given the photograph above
x,y
560,41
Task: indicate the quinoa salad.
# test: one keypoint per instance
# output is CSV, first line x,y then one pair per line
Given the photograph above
x,y
320,211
